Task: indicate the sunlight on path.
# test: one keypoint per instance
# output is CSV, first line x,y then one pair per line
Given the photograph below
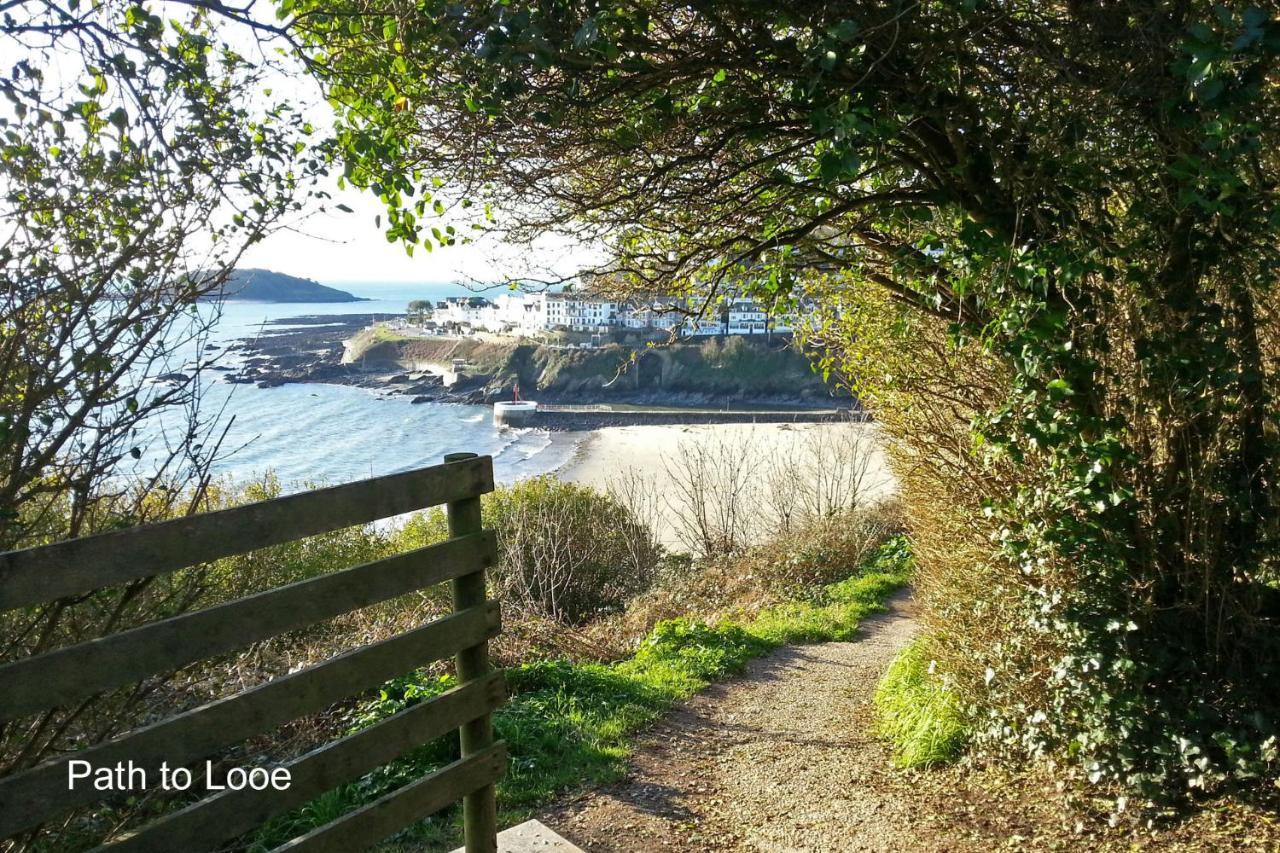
x,y
780,759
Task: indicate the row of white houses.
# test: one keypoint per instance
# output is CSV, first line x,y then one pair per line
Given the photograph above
x,y
532,313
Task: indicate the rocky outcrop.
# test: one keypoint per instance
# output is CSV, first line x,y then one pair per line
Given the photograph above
x,y
343,350
699,373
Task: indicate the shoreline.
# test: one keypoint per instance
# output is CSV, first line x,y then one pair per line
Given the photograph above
x,y
312,349
582,448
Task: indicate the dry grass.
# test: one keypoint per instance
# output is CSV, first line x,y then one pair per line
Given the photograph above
x,y
740,586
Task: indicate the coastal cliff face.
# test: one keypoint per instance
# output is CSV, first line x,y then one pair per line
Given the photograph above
x,y
712,370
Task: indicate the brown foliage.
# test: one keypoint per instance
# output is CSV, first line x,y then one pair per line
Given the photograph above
x,y
924,392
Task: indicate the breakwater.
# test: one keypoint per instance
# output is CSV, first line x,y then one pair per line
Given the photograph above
x,y
567,419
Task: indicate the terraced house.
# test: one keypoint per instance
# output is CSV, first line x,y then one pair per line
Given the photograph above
x,y
532,313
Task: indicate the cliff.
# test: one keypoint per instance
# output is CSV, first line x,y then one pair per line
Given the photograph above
x,y
711,371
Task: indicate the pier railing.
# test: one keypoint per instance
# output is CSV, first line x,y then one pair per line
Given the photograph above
x,y
66,677
578,407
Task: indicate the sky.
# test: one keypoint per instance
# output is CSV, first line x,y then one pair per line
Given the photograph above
x,y
336,247
333,246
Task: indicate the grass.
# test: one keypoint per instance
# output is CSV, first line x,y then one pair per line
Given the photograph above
x,y
917,712
571,724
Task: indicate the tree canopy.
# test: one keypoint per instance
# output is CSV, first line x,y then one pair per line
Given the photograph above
x,y
1074,202
1086,191
138,159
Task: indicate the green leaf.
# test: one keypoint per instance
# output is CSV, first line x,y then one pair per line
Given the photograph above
x,y
586,34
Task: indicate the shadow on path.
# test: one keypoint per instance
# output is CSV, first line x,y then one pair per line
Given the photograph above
x,y
780,758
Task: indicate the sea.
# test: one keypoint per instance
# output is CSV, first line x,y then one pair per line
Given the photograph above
x,y
308,434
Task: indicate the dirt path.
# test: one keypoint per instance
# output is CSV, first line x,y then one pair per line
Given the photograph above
x,y
782,759
779,759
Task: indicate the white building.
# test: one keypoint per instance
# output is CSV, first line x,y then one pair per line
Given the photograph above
x,y
519,314
531,314
583,313
467,312
746,317
657,314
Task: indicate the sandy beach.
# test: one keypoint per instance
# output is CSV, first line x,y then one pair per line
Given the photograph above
x,y
746,457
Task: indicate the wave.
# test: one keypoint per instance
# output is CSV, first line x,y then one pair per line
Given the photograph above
x,y
507,439
543,444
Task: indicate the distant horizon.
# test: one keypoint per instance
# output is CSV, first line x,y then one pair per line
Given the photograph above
x,y
346,246
384,284
405,283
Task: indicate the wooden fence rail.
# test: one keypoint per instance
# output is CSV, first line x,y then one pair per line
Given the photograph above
x,y
62,678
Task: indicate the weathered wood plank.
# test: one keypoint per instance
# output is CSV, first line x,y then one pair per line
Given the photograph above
x,y
364,827
61,677
479,807
33,796
207,824
41,574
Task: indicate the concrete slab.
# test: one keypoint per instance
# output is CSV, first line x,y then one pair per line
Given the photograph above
x,y
531,837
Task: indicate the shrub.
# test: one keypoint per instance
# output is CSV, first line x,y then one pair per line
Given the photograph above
x,y
826,549
1094,579
738,353
289,562
712,350
565,550
810,567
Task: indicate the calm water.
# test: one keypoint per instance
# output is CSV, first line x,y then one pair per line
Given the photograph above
x,y
335,433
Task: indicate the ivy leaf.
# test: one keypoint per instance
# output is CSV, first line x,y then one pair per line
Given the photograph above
x,y
586,34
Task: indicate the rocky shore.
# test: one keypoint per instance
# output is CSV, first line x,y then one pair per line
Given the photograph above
x,y
311,348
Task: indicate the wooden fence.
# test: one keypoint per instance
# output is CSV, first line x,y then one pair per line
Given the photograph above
x,y
67,676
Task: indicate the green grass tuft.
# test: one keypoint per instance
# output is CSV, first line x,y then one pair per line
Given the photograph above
x,y
918,713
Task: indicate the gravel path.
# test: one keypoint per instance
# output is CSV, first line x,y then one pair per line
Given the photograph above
x,y
779,759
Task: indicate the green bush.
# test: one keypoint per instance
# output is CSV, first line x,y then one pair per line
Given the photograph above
x,y
686,653
738,353
918,713
565,550
833,613
288,562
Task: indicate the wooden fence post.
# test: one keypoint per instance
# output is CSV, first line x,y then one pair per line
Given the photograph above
x,y
479,809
